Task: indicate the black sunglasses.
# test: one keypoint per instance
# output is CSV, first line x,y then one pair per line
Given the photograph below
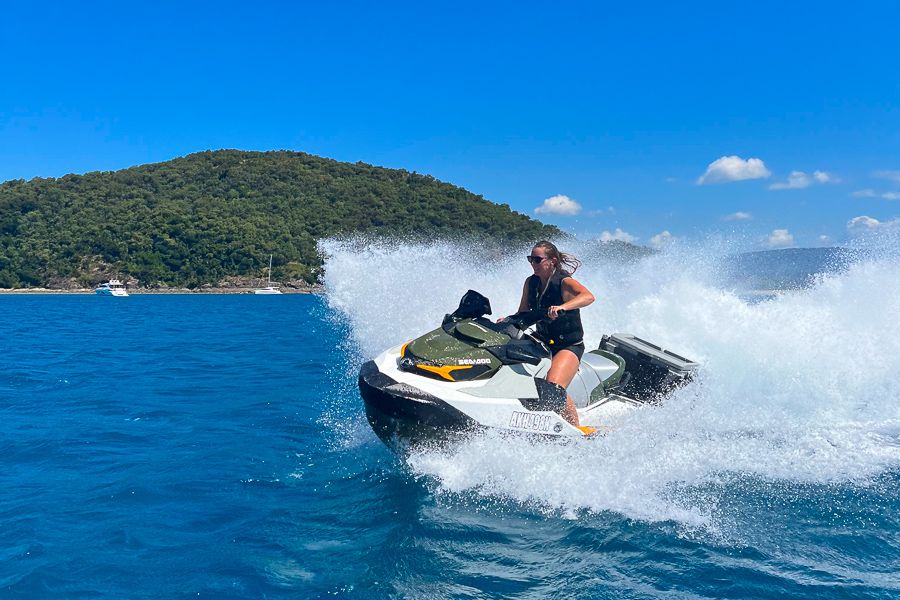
x,y
535,260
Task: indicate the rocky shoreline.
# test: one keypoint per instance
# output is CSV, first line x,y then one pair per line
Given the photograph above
x,y
228,285
152,291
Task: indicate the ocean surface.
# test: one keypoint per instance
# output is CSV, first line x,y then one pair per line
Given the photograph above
x,y
216,446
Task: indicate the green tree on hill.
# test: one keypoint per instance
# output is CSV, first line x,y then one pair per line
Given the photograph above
x,y
200,218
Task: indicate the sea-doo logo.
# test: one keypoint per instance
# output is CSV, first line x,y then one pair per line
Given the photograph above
x,y
530,421
474,361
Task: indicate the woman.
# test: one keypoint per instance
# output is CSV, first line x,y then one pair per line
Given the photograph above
x,y
553,289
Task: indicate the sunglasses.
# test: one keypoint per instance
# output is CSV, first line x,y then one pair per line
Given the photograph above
x,y
535,260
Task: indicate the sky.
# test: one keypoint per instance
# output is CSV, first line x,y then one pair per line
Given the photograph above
x,y
773,122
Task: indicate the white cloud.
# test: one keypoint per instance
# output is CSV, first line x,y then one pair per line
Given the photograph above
x,y
780,238
617,236
738,216
733,168
798,180
870,193
823,177
558,205
609,210
891,175
862,224
824,240
661,239
865,225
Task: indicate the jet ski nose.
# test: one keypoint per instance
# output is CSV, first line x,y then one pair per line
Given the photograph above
x,y
396,409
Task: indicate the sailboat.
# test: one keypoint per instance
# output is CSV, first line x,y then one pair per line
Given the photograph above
x,y
269,289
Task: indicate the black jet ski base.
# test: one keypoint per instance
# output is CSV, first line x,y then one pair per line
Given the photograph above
x,y
399,412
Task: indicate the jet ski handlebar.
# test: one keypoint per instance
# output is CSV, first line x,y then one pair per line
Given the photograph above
x,y
526,318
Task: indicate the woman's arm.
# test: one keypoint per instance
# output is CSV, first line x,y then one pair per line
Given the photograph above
x,y
574,296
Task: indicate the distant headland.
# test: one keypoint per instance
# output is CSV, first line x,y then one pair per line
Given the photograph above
x,y
210,220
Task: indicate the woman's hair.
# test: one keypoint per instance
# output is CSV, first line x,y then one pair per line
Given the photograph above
x,y
566,263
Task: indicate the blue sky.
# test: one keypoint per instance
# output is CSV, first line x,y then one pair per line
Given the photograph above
x,y
615,121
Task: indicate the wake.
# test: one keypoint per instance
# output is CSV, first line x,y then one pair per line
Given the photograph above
x,y
799,388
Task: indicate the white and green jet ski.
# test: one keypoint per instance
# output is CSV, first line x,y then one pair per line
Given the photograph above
x,y
472,373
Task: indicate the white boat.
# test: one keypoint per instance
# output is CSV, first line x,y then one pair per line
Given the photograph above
x,y
269,289
113,287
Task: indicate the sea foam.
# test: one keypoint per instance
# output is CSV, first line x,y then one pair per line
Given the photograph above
x,y
799,388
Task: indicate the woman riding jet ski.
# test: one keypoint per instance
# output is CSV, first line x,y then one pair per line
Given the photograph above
x,y
471,373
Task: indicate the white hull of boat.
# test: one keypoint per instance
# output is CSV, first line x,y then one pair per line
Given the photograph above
x,y
113,287
108,292
267,290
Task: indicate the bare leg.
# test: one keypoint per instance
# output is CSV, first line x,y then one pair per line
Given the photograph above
x,y
569,413
562,371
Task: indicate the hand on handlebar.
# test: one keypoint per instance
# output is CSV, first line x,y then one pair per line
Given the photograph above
x,y
554,312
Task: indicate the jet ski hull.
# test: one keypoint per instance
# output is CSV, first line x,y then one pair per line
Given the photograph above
x,y
397,411
473,374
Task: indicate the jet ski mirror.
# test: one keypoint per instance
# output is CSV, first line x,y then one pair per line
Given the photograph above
x,y
471,306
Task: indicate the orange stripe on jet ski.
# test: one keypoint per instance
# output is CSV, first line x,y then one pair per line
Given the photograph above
x,y
444,371
403,349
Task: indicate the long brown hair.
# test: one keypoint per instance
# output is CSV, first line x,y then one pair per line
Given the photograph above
x,y
566,263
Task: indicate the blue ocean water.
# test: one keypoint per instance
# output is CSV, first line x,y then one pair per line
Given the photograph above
x,y
215,446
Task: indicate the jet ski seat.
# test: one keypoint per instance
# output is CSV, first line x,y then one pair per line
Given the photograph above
x,y
613,379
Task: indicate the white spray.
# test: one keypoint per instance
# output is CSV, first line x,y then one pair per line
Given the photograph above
x,y
799,388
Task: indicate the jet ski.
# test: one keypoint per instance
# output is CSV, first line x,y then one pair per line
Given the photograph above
x,y
472,373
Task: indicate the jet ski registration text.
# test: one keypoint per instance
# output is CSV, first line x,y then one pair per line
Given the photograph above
x,y
530,421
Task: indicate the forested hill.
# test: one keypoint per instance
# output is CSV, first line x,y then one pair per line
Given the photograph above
x,y
212,215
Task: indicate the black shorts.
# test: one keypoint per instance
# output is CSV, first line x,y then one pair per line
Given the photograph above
x,y
577,349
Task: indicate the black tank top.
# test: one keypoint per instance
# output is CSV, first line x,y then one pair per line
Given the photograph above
x,y
566,329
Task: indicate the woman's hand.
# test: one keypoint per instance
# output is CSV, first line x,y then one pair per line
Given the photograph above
x,y
553,312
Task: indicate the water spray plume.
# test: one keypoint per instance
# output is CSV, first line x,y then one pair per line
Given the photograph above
x,y
799,388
